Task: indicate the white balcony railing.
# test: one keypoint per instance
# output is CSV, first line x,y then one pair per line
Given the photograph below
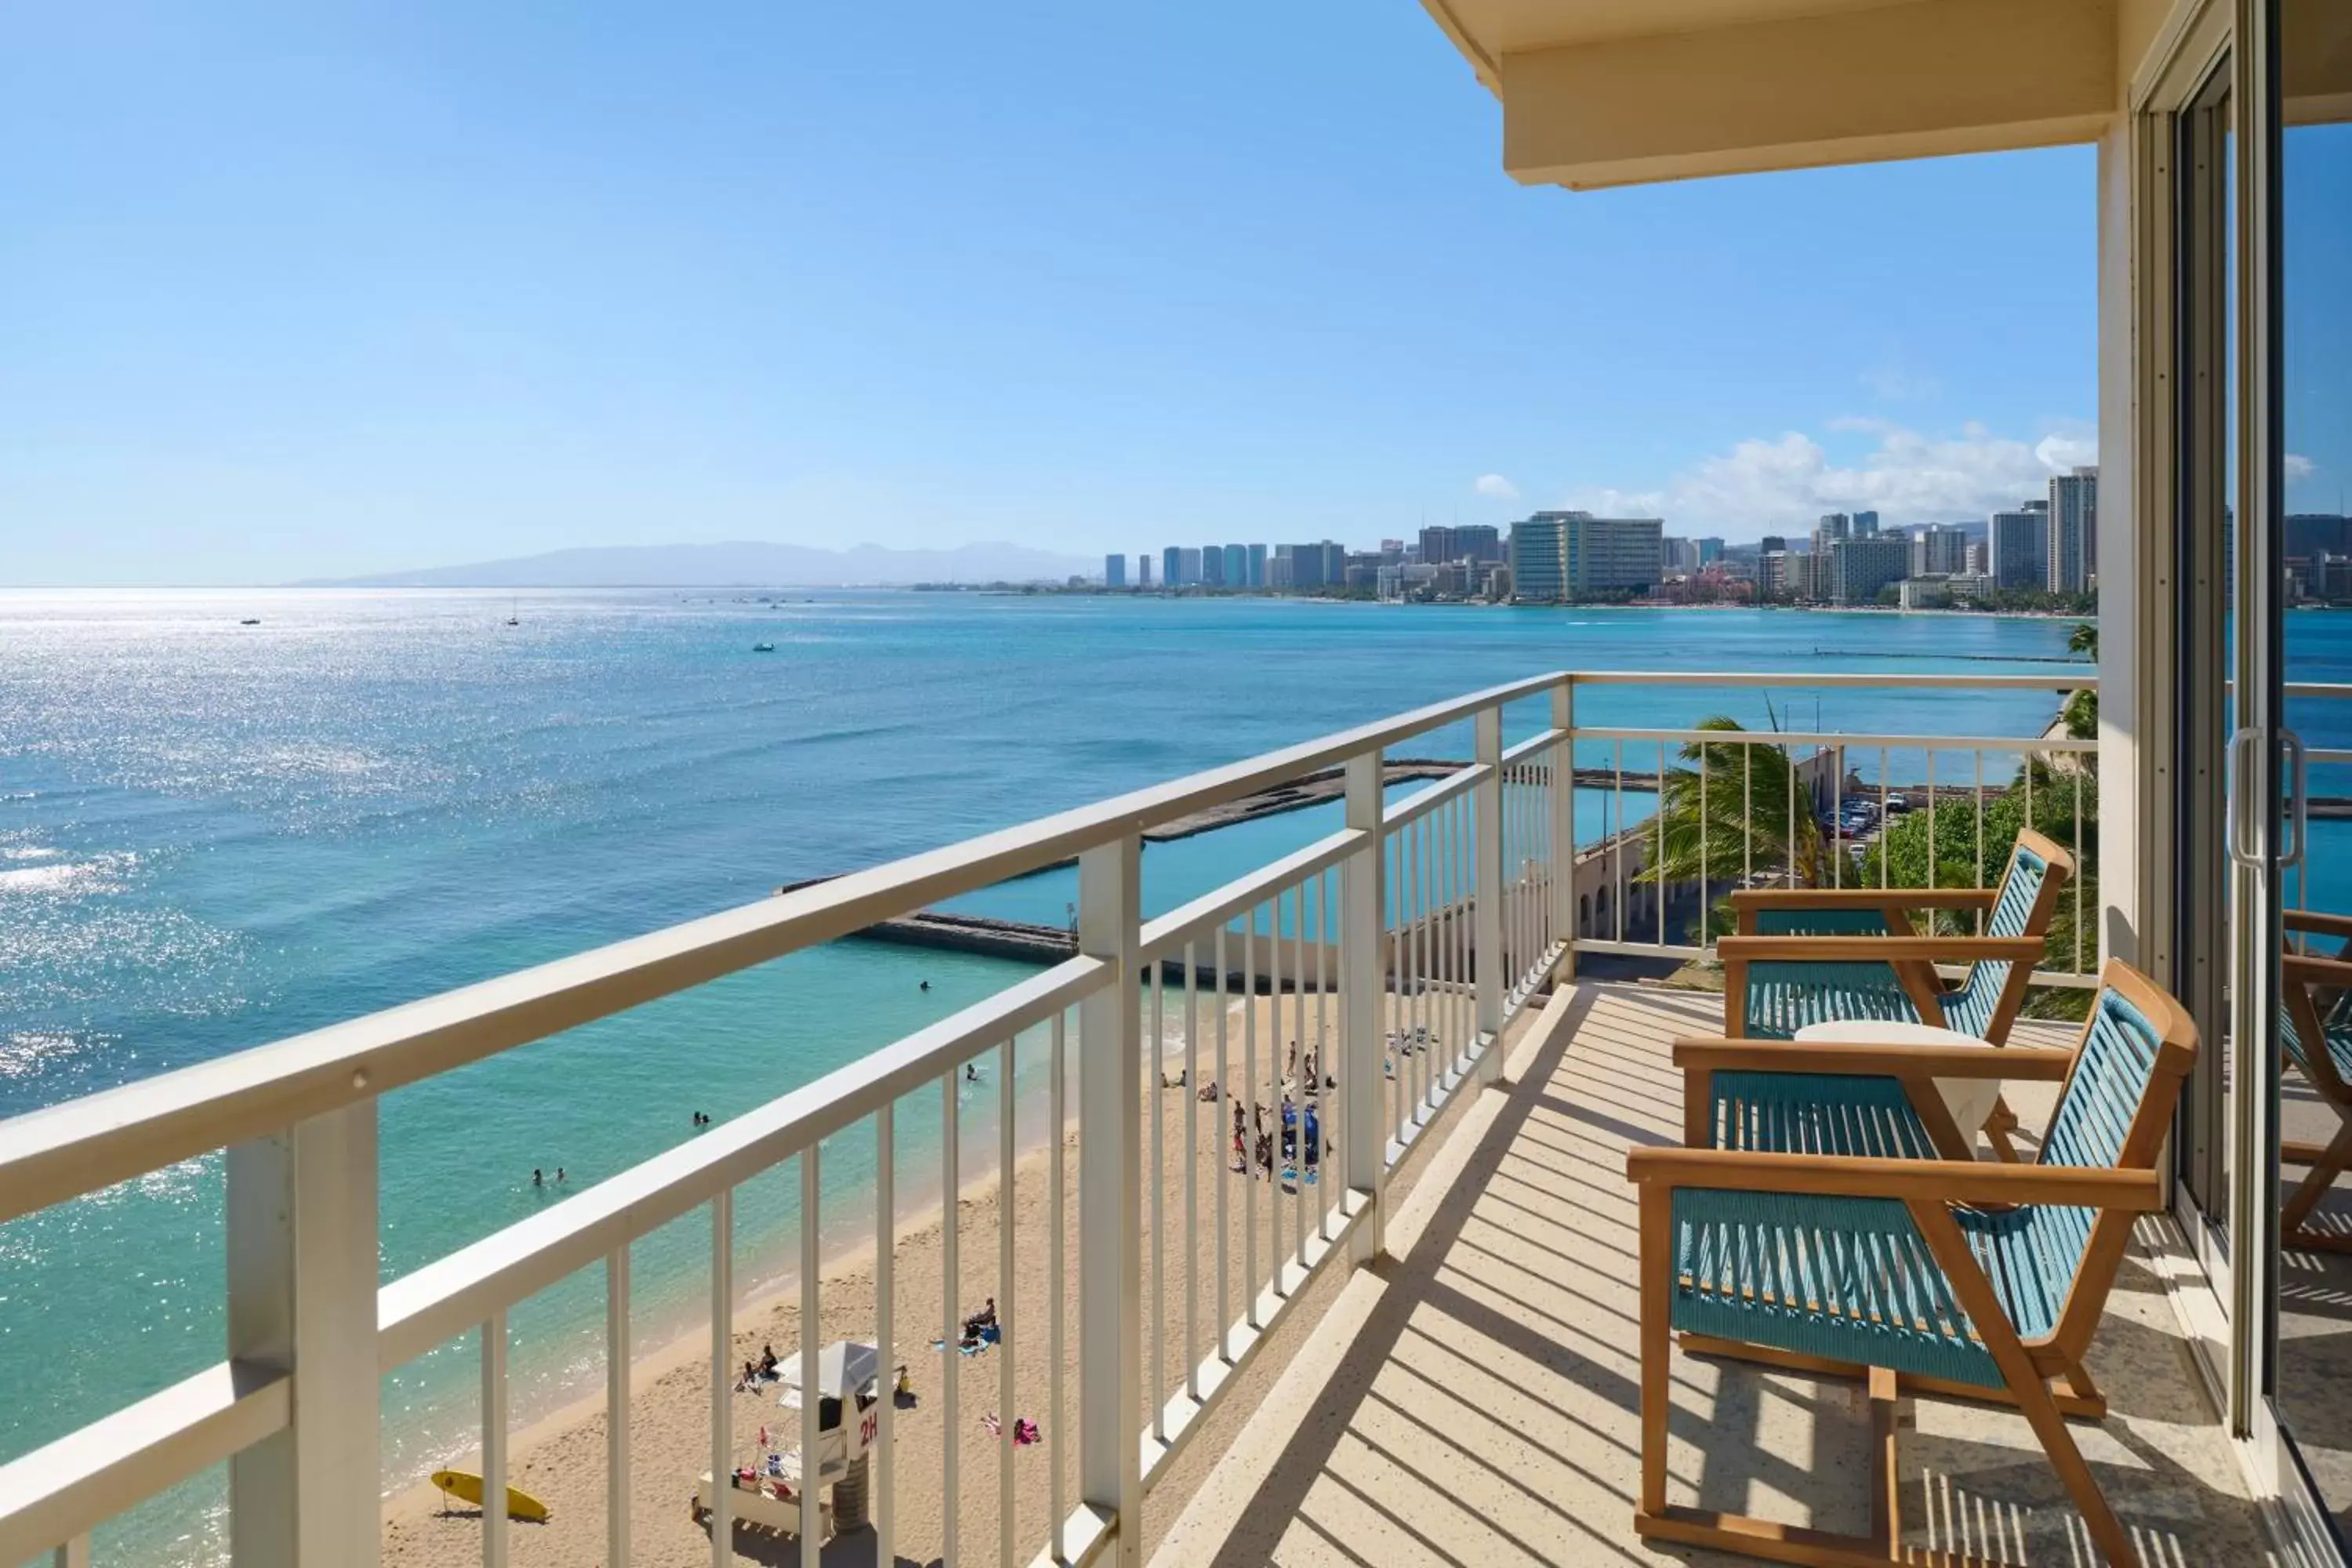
x,y
1401,946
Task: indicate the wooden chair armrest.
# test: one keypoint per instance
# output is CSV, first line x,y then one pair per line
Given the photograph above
x,y
2315,970
1915,1180
1884,949
2311,920
2043,1063
1864,897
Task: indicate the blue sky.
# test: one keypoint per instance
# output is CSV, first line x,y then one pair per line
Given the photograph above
x,y
302,290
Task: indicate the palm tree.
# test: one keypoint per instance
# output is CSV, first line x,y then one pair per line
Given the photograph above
x,y
2084,638
1741,806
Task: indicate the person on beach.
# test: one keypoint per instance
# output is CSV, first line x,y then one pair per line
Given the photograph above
x,y
767,1361
1241,1139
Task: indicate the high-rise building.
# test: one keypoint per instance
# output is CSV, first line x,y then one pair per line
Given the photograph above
x,y
1772,571
1143,571
1213,566
1865,525
1772,541
1539,558
2073,531
1939,550
1479,542
1558,555
1678,556
1188,566
1979,554
1238,572
1171,566
1438,545
1834,526
1257,578
1861,565
1315,567
1710,550
1114,570
2018,549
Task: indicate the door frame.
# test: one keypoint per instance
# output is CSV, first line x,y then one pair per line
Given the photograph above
x,y
2228,1301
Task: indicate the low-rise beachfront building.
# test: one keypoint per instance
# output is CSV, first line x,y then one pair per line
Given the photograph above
x,y
1439,1323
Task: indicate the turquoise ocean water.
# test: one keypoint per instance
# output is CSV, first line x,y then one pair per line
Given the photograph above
x,y
213,835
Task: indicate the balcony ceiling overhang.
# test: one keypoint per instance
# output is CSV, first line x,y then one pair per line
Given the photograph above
x,y
1609,92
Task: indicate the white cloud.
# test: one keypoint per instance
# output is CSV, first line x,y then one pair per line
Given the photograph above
x,y
1495,487
1784,483
2299,466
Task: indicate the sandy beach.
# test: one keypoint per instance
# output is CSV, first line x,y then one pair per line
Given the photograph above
x,y
560,1459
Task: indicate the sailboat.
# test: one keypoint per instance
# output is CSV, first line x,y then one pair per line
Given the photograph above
x,y
513,605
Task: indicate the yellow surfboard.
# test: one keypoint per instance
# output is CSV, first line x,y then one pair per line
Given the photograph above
x,y
467,1487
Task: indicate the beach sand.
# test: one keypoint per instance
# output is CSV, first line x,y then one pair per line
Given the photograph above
x,y
560,1459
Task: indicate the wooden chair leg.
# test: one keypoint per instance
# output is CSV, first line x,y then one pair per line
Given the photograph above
x,y
1975,1294
1997,1129
2325,1168
1657,1344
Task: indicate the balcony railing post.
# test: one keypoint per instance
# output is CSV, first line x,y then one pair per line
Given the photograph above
x,y
1563,823
1362,984
1487,922
302,1261
1110,1191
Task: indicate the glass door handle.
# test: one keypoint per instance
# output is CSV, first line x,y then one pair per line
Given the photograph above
x,y
2298,803
2237,830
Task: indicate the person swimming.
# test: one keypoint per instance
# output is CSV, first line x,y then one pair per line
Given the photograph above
x,y
971,1072
537,1177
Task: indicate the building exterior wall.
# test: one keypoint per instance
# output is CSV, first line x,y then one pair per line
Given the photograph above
x,y
1610,555
1114,570
1539,559
1862,566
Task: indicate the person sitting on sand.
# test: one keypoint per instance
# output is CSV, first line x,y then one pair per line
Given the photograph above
x,y
749,1380
983,1319
767,1361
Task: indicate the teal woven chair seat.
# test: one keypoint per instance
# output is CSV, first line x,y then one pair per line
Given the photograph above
x,y
1845,1279
1816,1113
1786,994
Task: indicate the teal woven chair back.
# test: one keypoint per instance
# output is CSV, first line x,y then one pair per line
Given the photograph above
x,y
2032,1255
1969,1008
1820,922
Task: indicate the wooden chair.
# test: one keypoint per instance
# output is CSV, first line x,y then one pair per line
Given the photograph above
x,y
1809,955
1812,955
2315,1033
1976,1280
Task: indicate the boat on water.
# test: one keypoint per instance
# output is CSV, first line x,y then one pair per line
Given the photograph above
x,y
250,621
763,648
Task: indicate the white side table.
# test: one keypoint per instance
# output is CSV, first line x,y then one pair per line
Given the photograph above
x,y
1969,1100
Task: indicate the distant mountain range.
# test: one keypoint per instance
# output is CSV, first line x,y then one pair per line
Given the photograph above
x,y
744,564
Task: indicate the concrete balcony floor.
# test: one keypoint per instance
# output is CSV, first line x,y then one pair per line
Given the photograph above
x,y
1474,1400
